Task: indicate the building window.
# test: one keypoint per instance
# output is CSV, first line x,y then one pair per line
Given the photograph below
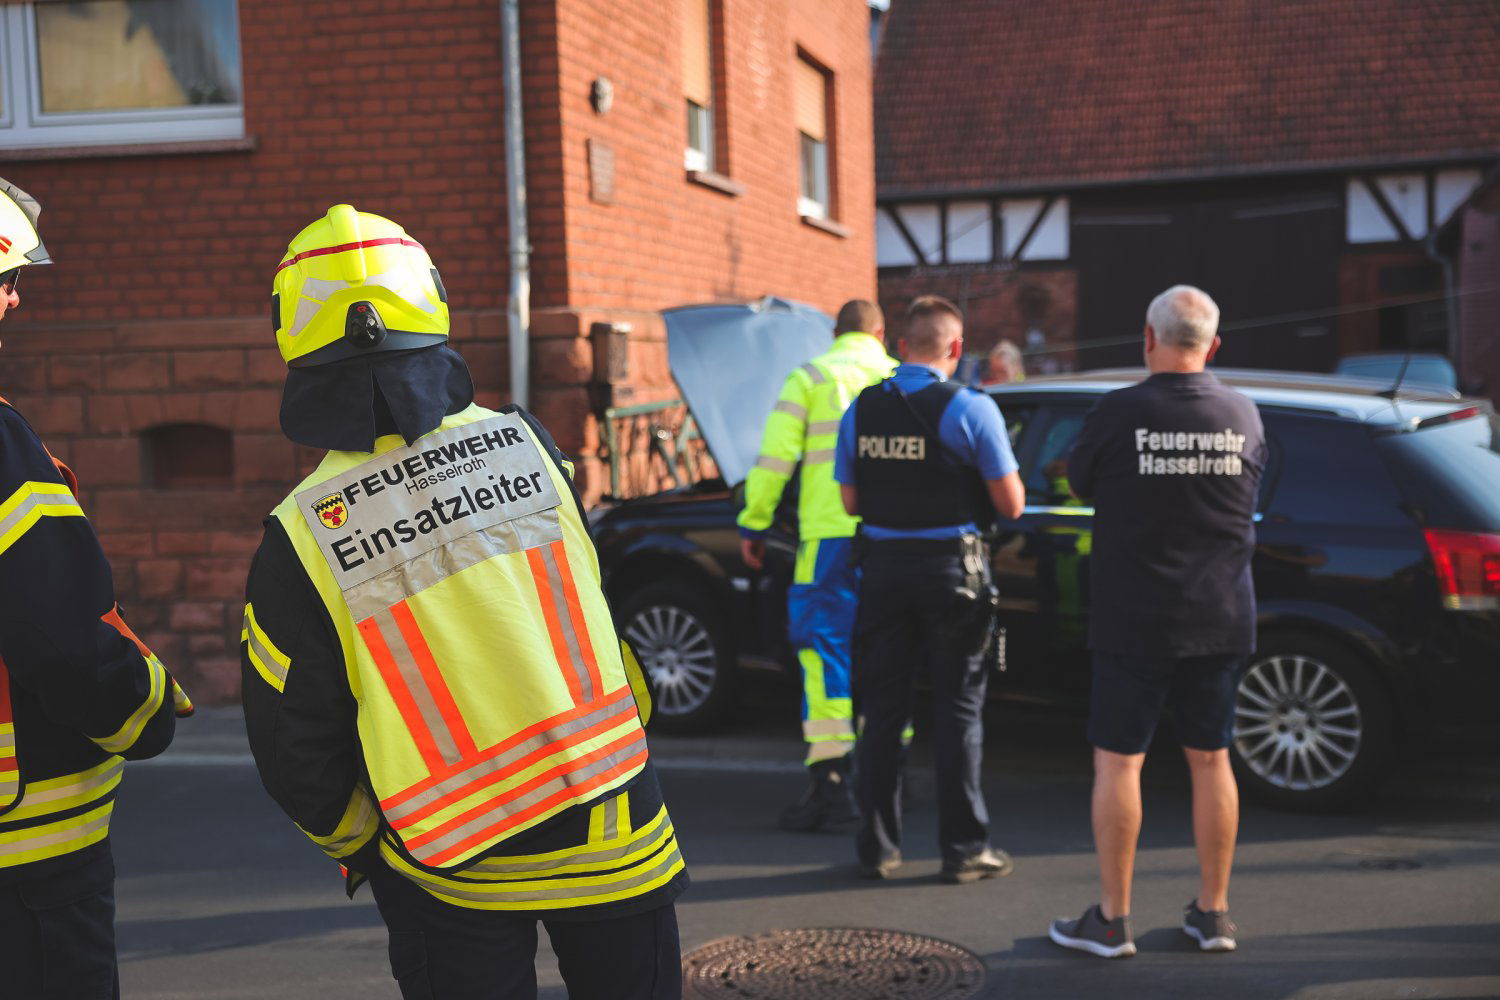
x,y
110,72
811,87
187,457
698,84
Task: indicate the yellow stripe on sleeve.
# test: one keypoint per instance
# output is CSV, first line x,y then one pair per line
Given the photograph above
x,y
124,738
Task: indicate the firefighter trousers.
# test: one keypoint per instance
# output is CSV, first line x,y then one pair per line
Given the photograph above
x,y
58,940
444,952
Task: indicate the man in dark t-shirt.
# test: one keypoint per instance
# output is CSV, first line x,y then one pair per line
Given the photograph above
x,y
1172,465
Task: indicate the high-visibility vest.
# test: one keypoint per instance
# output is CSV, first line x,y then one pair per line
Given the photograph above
x,y
460,577
803,427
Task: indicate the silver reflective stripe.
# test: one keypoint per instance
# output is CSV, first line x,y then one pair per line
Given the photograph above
x,y
359,828
63,500
506,760
612,818
7,739
434,566
790,408
416,686
814,728
814,373
669,860
651,831
35,797
62,836
774,464
568,626
502,811
822,427
818,456
269,663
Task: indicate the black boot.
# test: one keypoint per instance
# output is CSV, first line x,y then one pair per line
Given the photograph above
x,y
828,801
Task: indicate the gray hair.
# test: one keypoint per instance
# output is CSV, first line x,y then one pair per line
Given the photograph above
x,y
1008,352
1184,317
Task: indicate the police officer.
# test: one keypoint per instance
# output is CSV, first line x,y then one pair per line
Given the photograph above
x,y
79,695
433,688
925,462
803,427
1173,466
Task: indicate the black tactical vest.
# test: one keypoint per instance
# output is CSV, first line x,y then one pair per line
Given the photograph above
x,y
905,477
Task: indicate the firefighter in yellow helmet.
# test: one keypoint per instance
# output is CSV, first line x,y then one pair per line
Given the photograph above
x,y
79,695
433,687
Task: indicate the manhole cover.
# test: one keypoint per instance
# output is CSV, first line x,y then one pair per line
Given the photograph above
x,y
832,963
1389,864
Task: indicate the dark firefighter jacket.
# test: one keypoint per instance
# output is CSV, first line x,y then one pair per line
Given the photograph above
x,y
79,694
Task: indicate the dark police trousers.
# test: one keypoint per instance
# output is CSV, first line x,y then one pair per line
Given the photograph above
x,y
905,596
444,952
57,934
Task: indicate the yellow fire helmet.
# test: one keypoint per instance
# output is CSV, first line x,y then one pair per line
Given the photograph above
x,y
20,240
353,284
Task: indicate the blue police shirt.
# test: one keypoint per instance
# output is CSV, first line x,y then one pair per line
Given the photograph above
x,y
972,430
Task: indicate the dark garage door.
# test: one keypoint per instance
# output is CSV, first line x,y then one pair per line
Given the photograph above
x,y
1269,261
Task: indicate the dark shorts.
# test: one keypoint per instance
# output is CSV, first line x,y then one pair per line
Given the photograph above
x,y
1129,693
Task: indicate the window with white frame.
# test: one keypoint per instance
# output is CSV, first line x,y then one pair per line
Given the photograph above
x,y
114,72
698,84
810,110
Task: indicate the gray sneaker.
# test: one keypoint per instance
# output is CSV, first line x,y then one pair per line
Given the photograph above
x,y
988,863
1095,935
1212,929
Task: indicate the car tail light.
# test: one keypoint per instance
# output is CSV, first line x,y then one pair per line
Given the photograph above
x,y
1468,568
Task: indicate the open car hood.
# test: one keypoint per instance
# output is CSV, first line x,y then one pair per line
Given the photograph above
x,y
730,362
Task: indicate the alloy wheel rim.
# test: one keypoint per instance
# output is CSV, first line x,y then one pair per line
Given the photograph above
x,y
1297,724
678,651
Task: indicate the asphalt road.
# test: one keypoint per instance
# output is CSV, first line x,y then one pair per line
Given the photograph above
x,y
221,897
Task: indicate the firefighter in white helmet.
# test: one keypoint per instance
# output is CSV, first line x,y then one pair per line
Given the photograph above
x,y
79,695
433,687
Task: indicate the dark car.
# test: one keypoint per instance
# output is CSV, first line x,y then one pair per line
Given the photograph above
x,y
1377,571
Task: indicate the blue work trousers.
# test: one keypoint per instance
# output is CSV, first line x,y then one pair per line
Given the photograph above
x,y
820,620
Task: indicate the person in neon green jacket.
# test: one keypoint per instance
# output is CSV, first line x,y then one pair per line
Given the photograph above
x,y
803,427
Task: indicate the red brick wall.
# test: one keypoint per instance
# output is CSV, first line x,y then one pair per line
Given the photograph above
x,y
1479,300
156,310
998,304
667,241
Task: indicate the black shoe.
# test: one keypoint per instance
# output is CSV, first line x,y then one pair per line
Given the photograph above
x,y
988,863
827,803
1095,935
1212,929
882,869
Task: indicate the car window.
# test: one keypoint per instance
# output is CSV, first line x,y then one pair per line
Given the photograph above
x,y
1017,418
1330,473
1046,476
1451,472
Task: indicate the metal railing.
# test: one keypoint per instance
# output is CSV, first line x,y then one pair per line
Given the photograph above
x,y
652,445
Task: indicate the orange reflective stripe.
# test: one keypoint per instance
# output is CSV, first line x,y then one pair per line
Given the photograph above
x,y
483,777
510,820
575,612
386,663
548,599
10,767
391,803
442,698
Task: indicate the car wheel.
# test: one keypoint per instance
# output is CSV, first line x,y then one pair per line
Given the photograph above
x,y
679,640
1313,724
